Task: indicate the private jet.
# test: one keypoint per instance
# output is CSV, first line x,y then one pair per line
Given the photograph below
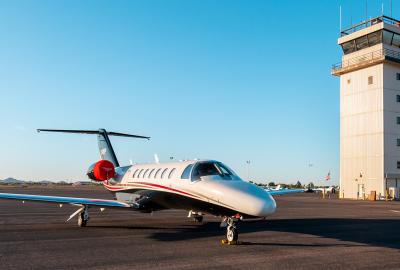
x,y
197,186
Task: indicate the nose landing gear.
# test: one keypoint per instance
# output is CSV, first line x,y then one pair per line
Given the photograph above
x,y
232,234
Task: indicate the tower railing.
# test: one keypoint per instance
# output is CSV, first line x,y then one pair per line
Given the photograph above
x,y
366,59
368,23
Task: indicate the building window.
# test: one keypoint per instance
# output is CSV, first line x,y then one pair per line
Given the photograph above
x,y
370,80
398,164
348,81
398,120
398,98
398,76
398,142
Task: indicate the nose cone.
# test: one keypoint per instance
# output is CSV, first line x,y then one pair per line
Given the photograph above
x,y
268,206
260,203
250,199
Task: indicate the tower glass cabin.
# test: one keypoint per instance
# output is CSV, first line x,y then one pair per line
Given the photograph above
x,y
369,108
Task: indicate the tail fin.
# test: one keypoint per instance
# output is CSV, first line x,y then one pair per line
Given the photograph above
x,y
105,147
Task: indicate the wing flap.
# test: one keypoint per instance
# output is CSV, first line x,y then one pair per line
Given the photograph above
x,y
71,200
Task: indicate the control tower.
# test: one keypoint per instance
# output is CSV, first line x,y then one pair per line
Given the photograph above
x,y
369,108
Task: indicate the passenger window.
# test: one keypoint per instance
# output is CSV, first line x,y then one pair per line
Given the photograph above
x,y
155,176
145,173
151,173
140,173
163,173
186,172
171,173
134,173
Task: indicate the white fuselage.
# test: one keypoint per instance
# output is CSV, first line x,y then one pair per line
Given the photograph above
x,y
224,189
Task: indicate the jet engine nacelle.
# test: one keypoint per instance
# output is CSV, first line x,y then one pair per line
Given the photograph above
x,y
101,170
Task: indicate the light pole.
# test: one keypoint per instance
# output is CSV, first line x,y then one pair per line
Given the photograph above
x,y
248,169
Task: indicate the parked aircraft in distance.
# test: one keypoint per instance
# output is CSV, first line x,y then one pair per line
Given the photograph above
x,y
198,186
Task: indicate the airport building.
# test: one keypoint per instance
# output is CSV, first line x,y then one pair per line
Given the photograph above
x,y
370,108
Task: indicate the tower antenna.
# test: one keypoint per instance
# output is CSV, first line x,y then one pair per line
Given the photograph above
x,y
340,18
391,9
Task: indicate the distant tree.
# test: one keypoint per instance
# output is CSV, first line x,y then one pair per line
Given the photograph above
x,y
271,184
298,185
310,185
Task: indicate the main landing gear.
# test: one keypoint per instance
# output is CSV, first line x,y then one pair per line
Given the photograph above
x,y
196,216
232,234
83,216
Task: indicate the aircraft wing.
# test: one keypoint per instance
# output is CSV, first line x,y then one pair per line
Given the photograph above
x,y
61,200
284,191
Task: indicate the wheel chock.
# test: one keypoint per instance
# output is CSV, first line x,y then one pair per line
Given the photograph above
x,y
226,242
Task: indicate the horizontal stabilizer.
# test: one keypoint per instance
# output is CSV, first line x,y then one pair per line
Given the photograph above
x,y
94,132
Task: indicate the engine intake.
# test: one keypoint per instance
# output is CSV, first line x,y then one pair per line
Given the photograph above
x,y
101,170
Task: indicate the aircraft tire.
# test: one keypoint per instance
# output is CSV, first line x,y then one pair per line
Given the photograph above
x,y
82,222
231,233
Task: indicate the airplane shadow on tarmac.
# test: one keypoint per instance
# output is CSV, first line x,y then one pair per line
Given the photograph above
x,y
374,232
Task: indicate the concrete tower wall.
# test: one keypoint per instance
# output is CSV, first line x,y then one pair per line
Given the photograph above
x,y
392,128
361,132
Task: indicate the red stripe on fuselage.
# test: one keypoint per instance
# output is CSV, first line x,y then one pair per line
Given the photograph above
x,y
168,188
152,185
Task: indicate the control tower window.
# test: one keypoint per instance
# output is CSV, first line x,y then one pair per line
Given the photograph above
x,y
396,40
362,43
375,38
387,37
349,47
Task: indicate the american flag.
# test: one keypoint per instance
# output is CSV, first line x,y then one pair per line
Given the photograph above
x,y
328,176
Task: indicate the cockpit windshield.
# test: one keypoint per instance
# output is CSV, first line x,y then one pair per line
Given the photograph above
x,y
211,168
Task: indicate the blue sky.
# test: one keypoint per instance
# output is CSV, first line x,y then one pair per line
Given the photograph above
x,y
227,80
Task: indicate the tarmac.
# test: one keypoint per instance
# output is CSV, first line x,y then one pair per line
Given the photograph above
x,y
306,232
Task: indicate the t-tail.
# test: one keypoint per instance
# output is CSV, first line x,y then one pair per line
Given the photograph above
x,y
103,169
